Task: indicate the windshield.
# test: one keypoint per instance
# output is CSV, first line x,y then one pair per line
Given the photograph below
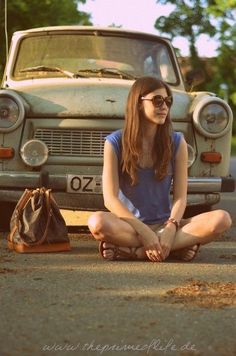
x,y
88,54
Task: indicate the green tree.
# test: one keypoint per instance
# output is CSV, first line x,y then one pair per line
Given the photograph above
x,y
225,13
214,18
24,14
189,20
220,8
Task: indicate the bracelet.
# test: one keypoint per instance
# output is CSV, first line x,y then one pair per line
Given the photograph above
x,y
173,221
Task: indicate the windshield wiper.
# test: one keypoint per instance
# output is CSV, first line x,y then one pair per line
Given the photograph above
x,y
48,69
101,71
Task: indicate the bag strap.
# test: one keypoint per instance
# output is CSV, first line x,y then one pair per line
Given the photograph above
x,y
12,233
18,210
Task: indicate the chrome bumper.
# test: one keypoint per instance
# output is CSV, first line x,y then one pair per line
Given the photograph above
x,y
198,185
211,184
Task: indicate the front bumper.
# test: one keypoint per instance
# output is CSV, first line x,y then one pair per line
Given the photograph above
x,y
58,182
201,190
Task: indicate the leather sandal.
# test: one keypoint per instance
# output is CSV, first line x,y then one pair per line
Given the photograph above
x,y
179,254
118,253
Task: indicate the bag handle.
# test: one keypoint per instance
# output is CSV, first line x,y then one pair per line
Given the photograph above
x,y
18,209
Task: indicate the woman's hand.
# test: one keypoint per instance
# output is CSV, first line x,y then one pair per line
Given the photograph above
x,y
153,247
166,239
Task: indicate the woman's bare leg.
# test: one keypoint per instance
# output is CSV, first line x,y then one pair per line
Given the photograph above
x,y
107,227
202,229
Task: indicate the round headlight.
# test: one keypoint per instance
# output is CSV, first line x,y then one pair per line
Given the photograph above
x,y
191,155
9,112
212,118
12,110
34,153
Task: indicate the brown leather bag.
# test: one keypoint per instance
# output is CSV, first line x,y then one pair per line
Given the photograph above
x,y
37,224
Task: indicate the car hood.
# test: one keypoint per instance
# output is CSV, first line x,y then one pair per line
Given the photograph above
x,y
90,97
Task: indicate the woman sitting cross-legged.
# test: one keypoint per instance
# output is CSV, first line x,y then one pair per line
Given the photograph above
x,y
140,163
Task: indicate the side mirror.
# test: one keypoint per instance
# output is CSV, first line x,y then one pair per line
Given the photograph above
x,y
195,77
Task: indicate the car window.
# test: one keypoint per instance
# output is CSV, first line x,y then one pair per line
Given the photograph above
x,y
75,52
158,63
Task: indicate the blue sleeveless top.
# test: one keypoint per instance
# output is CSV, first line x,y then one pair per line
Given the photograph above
x,y
149,199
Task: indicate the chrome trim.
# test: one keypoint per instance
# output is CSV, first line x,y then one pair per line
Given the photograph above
x,y
15,97
72,142
206,100
211,184
58,182
34,153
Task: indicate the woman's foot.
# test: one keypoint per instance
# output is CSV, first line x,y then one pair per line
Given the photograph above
x,y
112,252
185,254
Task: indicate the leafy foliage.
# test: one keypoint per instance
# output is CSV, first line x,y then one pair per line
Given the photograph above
x,y
225,12
214,18
189,20
221,8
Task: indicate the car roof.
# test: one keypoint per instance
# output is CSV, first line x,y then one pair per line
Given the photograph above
x,y
90,29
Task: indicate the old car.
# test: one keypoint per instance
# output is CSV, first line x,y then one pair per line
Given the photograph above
x,y
64,90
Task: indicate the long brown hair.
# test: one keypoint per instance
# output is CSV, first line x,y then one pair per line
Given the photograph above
x,y
132,133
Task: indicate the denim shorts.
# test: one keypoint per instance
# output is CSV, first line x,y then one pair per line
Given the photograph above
x,y
157,228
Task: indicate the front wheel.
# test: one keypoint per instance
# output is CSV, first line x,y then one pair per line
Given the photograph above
x,y
6,210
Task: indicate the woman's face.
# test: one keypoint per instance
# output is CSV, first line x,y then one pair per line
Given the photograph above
x,y
156,111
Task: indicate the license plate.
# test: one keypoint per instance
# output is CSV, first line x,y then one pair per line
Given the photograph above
x,y
84,184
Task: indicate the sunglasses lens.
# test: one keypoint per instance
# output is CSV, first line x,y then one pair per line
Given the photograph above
x,y
158,100
168,101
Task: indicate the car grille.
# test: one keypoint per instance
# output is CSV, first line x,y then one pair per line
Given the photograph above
x,y
73,142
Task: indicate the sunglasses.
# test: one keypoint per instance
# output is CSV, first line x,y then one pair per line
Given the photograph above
x,y
158,100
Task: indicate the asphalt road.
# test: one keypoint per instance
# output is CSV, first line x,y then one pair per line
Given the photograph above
x,y
76,303
228,202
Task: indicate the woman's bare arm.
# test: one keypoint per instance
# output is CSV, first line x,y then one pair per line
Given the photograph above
x,y
110,193
179,198
180,180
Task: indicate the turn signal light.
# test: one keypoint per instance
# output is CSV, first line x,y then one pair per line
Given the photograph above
x,y
6,152
211,157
